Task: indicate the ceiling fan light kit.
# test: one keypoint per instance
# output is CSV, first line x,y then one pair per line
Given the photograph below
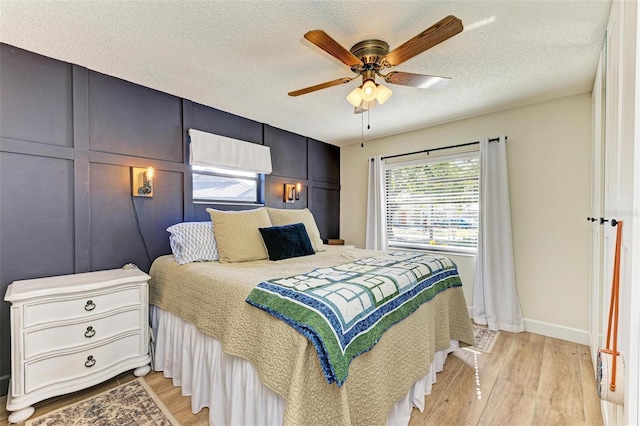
x,y
384,93
355,97
369,91
368,57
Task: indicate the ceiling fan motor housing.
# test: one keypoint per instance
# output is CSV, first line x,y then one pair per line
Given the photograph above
x,y
370,52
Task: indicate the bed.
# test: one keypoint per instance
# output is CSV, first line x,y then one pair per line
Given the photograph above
x,y
249,367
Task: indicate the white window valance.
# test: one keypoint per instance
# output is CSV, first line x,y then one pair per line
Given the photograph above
x,y
208,149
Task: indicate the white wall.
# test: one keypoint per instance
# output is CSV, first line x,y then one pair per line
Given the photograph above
x,y
548,151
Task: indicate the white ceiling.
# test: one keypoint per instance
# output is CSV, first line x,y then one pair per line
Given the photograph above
x,y
244,56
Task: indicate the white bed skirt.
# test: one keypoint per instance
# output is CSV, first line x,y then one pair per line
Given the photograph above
x,y
230,386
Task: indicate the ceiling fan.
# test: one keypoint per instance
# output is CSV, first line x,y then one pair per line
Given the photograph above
x,y
367,58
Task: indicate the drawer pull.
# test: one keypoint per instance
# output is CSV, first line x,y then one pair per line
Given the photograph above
x,y
90,306
91,361
90,332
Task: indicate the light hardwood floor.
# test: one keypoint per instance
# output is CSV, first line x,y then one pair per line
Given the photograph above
x,y
527,379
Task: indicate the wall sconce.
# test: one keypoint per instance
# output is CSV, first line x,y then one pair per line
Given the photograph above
x,y
292,192
142,182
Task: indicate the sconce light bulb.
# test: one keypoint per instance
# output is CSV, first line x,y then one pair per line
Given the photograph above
x,y
298,187
149,173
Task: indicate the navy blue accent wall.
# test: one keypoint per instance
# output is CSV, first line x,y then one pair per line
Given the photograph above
x,y
69,135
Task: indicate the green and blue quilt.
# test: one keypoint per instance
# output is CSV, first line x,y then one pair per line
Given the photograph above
x,y
344,310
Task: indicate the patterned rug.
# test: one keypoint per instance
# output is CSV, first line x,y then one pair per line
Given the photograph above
x,y
484,338
133,403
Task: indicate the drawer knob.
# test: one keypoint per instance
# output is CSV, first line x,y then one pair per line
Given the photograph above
x,y
90,332
90,306
90,362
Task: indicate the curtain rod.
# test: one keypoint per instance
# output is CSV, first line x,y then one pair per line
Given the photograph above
x,y
440,148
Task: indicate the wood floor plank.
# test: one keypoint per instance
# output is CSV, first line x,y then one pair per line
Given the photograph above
x,y
126,378
454,363
544,416
460,403
509,401
414,420
560,385
524,360
564,343
585,352
592,409
504,342
160,384
172,397
157,378
185,417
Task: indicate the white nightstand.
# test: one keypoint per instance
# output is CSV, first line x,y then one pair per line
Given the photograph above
x,y
74,331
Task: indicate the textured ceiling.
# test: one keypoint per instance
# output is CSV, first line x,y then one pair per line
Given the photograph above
x,y
243,57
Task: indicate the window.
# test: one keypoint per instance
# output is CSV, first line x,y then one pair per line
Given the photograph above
x,y
433,203
228,186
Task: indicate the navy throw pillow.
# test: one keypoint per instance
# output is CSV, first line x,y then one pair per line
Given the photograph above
x,y
286,241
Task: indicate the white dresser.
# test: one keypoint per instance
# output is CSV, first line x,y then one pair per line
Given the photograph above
x,y
74,331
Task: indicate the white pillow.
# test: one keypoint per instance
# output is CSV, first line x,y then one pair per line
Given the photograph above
x,y
193,242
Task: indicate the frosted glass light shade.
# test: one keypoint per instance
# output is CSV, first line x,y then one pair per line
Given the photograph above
x,y
355,97
369,91
384,93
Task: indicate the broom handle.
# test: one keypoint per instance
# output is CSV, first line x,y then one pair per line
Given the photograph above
x,y
615,295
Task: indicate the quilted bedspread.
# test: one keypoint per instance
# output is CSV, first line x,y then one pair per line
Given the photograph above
x,y
344,310
211,295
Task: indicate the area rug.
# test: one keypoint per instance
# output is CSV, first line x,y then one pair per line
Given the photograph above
x,y
133,403
484,338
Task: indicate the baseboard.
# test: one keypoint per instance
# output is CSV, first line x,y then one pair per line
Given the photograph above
x,y
552,330
558,331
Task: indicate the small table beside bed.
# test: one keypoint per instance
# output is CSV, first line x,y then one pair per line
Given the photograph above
x,y
249,366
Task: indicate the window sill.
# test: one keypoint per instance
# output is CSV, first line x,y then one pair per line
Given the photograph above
x,y
457,251
228,203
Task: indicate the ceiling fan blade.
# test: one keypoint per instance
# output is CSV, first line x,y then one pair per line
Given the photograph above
x,y
420,81
332,47
321,86
441,31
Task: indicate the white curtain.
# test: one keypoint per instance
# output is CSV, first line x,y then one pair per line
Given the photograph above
x,y
495,299
376,236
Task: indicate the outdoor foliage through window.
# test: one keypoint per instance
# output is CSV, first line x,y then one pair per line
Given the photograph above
x,y
434,203
215,184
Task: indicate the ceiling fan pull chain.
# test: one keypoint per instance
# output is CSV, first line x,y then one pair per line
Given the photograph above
x,y
362,130
369,119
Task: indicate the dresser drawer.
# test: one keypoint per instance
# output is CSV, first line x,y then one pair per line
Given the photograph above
x,y
79,306
56,337
71,366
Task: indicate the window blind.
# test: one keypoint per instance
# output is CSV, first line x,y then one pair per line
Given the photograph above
x,y
208,150
433,203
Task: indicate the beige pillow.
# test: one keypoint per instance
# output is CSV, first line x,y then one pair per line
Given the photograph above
x,y
280,217
237,236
